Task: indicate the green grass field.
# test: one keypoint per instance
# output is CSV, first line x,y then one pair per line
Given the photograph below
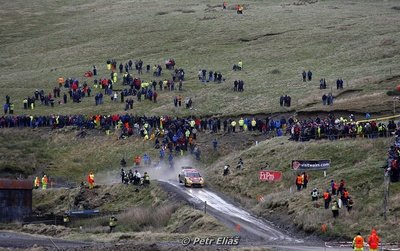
x,y
357,41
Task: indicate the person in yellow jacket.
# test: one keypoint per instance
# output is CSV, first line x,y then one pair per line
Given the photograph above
x,y
161,122
36,183
115,77
119,125
319,132
233,125
240,64
241,123
358,242
253,124
112,223
360,130
44,182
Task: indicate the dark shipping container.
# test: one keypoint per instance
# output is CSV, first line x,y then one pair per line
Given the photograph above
x,y
15,199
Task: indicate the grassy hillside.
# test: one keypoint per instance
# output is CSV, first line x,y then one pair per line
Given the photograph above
x,y
357,161
276,40
60,153
42,40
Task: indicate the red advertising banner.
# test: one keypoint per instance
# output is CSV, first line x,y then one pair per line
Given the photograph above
x,y
270,175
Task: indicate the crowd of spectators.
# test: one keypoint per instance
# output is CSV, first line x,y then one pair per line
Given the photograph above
x,y
336,128
393,162
329,127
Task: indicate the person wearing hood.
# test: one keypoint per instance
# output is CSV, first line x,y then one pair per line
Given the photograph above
x,y
373,241
358,242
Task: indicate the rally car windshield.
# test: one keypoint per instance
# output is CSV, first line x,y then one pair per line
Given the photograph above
x,y
195,175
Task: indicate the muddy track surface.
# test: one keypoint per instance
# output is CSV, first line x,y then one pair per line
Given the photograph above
x,y
253,231
251,228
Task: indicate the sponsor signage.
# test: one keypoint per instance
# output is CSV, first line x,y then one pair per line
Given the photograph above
x,y
310,164
270,175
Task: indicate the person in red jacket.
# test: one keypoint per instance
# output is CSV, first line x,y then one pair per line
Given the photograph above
x,y
334,187
373,241
90,179
137,160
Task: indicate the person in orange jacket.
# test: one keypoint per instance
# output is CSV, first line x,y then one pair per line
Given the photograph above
x,y
358,242
327,199
345,196
90,179
373,241
299,182
36,183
